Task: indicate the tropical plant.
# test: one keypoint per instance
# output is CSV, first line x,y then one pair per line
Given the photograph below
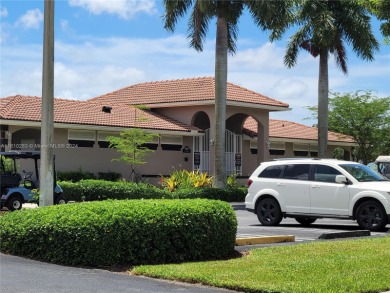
x,y
200,179
232,181
273,15
326,27
186,179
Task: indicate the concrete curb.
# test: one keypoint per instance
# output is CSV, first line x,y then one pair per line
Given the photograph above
x,y
264,240
346,234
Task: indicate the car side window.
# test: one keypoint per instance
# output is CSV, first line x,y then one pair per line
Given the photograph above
x,y
272,172
297,172
325,173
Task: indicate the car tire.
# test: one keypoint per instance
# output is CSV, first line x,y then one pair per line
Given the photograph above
x,y
60,200
371,215
269,212
305,222
14,203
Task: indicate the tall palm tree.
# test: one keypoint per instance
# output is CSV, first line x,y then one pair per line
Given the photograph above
x,y
266,14
326,27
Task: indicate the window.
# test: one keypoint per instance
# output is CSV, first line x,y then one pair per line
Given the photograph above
x,y
171,143
301,150
81,138
275,148
314,150
325,173
153,144
297,172
272,172
102,138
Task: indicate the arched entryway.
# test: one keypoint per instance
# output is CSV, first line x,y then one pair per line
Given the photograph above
x,y
236,149
27,139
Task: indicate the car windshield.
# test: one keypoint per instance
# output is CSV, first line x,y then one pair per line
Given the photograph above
x,y
363,173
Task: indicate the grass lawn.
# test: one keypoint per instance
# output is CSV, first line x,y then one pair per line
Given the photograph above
x,y
360,265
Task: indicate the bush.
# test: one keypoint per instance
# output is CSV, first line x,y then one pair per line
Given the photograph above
x,y
109,176
186,179
121,232
91,190
74,176
229,194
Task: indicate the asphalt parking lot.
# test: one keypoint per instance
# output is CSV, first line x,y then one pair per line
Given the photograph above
x,y
249,226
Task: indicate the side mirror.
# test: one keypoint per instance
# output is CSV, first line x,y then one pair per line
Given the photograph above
x,y
341,179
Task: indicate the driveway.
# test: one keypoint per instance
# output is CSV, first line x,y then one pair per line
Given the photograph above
x,y
20,275
249,226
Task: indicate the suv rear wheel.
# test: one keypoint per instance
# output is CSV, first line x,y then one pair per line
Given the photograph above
x,y
371,215
269,212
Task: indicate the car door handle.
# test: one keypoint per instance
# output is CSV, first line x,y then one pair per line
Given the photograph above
x,y
316,186
280,184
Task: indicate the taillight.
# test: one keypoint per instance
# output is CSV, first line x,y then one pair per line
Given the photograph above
x,y
249,182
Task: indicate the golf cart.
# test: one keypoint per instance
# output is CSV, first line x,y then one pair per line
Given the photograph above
x,y
383,164
16,190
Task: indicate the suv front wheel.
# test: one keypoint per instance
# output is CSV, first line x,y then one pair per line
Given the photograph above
x,y
269,212
371,215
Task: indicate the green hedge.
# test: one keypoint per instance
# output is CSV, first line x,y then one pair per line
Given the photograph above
x,y
229,194
121,232
90,190
75,176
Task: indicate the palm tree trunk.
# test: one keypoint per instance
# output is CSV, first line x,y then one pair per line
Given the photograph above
x,y
220,102
323,91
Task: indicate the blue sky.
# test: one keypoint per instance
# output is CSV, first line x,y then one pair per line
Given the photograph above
x,y
102,46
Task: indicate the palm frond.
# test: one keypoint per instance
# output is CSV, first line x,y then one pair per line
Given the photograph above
x,y
341,56
173,10
197,26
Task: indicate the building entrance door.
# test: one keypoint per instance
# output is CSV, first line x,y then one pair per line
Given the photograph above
x,y
233,153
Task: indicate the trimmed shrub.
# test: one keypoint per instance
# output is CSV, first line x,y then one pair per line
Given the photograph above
x,y
91,190
74,176
110,176
229,194
122,232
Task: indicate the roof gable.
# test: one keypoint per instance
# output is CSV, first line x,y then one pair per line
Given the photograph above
x,y
188,90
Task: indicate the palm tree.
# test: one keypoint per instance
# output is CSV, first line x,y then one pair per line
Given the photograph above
x,y
326,26
266,14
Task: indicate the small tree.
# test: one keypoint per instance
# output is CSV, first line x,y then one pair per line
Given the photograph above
x,y
364,117
132,144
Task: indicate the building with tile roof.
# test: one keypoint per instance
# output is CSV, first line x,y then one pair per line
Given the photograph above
x,y
180,111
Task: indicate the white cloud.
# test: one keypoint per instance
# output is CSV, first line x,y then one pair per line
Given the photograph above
x,y
65,27
264,57
99,66
31,19
125,9
3,12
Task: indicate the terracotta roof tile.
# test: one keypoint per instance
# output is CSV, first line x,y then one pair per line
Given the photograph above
x,y
28,108
292,130
183,90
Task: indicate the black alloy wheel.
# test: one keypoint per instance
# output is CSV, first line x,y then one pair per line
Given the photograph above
x,y
371,215
269,212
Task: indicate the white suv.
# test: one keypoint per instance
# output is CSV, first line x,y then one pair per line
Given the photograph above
x,y
308,189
